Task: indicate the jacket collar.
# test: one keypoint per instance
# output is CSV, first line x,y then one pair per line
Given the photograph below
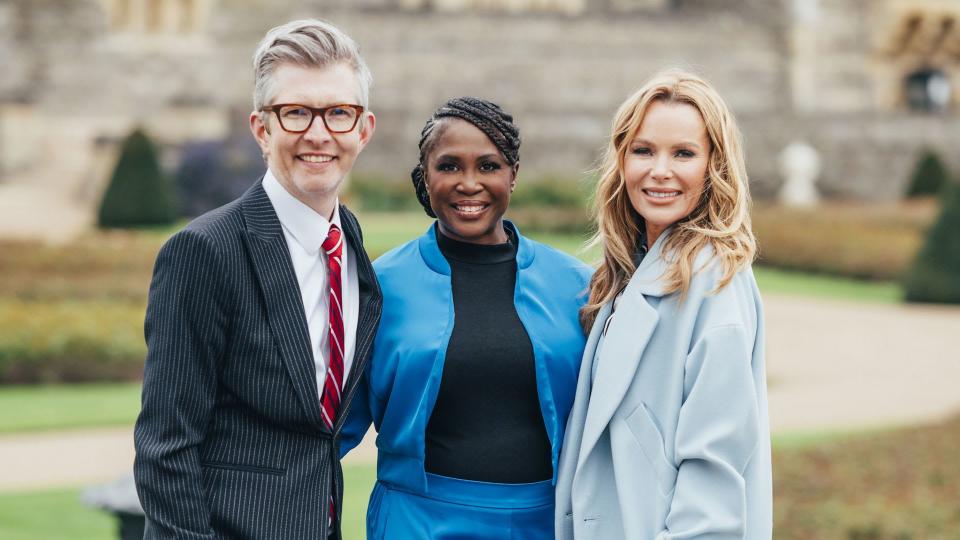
x,y
308,228
647,279
626,338
430,250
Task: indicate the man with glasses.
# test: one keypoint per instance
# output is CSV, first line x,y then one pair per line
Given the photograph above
x,y
261,317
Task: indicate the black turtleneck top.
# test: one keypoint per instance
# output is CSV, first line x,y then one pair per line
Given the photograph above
x,y
486,424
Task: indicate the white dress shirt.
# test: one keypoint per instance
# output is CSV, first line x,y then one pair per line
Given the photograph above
x,y
305,230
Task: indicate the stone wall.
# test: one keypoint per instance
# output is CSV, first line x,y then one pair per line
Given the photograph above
x,y
78,78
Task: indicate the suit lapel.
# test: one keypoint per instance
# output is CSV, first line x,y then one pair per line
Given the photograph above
x,y
281,293
633,324
370,304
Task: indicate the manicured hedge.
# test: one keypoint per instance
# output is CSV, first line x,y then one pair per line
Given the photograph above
x,y
75,311
929,177
853,240
139,194
70,341
935,274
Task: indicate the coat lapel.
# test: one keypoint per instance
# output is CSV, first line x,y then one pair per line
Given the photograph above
x,y
281,293
633,324
573,437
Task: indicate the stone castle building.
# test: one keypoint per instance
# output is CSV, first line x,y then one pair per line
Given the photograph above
x,y
867,83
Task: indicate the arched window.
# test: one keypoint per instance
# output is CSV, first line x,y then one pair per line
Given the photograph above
x,y
928,90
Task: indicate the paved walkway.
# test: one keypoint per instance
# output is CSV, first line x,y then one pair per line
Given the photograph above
x,y
832,365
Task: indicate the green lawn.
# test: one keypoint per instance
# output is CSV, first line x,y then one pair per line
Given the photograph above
x,y
772,280
59,515
899,484
63,406
52,515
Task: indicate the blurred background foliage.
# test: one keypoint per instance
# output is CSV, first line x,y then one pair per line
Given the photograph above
x,y
74,312
89,296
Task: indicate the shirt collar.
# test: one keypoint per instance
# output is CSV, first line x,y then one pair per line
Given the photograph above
x,y
304,224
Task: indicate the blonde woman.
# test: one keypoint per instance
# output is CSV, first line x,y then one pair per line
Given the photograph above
x,y
668,437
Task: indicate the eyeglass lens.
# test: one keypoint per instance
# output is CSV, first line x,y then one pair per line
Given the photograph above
x,y
337,119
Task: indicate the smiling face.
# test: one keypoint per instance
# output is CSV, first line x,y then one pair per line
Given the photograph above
x,y
469,182
312,165
665,166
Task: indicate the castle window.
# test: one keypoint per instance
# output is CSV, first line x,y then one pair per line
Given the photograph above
x,y
928,90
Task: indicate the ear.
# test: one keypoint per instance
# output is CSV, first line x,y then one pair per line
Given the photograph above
x,y
426,180
513,177
367,127
261,131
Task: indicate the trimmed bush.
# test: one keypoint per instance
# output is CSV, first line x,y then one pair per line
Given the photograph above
x,y
929,177
935,275
139,194
47,342
864,241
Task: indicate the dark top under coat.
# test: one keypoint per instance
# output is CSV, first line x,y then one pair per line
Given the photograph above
x,y
486,424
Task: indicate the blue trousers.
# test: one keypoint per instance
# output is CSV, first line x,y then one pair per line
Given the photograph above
x,y
454,509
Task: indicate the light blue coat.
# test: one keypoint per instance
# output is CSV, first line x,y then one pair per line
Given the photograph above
x,y
668,437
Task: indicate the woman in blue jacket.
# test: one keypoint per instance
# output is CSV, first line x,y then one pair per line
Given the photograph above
x,y
475,364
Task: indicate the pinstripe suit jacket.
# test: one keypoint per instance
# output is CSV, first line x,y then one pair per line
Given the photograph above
x,y
230,443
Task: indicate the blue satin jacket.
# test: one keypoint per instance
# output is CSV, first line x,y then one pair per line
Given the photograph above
x,y
400,386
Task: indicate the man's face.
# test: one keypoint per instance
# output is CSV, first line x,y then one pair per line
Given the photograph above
x,y
312,165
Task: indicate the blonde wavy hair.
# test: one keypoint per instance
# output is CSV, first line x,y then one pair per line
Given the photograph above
x,y
721,219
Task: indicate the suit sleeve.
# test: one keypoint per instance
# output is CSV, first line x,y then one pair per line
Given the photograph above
x,y
718,433
185,328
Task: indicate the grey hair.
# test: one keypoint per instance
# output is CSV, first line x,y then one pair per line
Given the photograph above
x,y
308,43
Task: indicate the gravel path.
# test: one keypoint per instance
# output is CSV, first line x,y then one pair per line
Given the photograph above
x,y
831,365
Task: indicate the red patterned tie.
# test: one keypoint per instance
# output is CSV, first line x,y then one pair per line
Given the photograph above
x,y
333,246
330,402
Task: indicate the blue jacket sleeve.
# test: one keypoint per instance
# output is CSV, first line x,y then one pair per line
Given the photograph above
x,y
358,418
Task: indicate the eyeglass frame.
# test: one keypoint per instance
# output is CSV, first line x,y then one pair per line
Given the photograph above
x,y
314,112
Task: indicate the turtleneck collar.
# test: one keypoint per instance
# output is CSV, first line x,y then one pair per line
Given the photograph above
x,y
477,253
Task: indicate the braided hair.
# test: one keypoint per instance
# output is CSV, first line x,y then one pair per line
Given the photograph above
x,y
488,117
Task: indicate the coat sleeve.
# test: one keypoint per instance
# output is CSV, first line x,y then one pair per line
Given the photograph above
x,y
718,433
186,328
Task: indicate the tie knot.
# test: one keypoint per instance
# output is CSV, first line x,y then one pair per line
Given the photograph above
x,y
332,245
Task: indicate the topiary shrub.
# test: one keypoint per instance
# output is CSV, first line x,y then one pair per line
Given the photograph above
x,y
935,275
138,194
929,177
